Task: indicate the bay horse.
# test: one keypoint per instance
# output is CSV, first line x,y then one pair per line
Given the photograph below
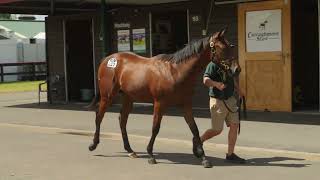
x,y
165,80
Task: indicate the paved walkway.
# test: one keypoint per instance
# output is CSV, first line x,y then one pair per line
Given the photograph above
x,y
283,131
50,142
46,153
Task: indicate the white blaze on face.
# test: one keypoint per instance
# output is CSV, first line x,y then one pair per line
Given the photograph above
x,y
233,66
112,63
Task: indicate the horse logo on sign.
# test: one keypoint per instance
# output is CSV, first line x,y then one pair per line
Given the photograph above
x,y
262,26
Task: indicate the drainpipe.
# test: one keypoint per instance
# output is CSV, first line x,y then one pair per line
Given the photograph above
x,y
319,46
52,7
104,28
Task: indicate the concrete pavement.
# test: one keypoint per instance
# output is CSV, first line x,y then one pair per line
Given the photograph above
x,y
50,142
44,153
283,131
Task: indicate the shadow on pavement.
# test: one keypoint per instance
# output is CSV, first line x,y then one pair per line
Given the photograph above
x,y
259,116
189,159
137,108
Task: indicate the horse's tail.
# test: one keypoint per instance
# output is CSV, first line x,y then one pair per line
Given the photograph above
x,y
93,104
96,99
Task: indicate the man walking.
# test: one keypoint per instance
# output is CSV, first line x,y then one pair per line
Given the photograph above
x,y
223,106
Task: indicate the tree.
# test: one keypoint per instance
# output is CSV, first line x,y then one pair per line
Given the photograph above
x,y
5,16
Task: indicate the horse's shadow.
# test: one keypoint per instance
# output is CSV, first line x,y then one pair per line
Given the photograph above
x,y
189,159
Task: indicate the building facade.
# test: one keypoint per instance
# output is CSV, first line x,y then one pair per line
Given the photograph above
x,y
277,45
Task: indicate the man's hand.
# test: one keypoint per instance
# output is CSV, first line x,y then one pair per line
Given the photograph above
x,y
210,83
219,85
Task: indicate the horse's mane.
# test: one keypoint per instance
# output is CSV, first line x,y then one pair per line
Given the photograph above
x,y
185,53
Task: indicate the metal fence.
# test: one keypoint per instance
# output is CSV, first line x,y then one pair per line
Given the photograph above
x,y
31,70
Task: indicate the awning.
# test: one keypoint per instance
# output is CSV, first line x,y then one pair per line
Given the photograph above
x,y
71,6
68,6
8,1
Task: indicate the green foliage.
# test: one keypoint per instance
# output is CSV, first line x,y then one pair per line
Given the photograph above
x,y
19,86
5,16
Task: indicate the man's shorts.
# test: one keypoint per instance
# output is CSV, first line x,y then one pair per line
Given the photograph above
x,y
219,112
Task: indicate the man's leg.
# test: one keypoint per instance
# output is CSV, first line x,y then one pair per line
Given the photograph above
x,y
232,137
233,123
218,116
210,133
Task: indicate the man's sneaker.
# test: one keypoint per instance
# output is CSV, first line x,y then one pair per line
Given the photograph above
x,y
233,158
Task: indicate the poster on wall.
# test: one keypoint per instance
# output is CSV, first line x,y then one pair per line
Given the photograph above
x,y
263,31
123,40
139,40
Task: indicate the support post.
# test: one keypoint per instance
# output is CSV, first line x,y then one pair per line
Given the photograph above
x,y
319,47
1,71
105,46
52,7
33,70
150,34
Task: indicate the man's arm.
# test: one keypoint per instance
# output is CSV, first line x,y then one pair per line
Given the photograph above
x,y
210,83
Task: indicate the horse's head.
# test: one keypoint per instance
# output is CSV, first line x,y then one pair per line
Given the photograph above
x,y
222,52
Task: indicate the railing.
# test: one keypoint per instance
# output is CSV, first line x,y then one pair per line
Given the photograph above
x,y
33,73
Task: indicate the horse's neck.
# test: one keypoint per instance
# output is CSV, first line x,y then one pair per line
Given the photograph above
x,y
193,67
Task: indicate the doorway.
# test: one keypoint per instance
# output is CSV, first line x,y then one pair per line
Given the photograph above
x,y
305,48
169,32
79,53
264,37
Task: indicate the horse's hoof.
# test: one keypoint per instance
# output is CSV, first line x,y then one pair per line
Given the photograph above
x,y
206,164
196,153
133,155
92,147
152,161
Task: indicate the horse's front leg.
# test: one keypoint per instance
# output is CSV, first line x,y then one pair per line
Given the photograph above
x,y
123,119
157,116
197,145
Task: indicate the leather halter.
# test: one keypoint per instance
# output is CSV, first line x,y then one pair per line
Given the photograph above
x,y
225,67
222,63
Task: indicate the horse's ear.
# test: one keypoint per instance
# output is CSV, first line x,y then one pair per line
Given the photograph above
x,y
222,32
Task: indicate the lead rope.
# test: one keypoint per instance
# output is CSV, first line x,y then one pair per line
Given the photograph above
x,y
224,102
227,67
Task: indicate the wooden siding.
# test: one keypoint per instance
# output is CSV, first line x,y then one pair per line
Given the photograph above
x,y
54,33
265,72
55,50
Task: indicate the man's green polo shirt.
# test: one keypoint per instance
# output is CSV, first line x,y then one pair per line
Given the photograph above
x,y
215,73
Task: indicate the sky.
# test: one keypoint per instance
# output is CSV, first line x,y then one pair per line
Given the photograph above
x,y
38,17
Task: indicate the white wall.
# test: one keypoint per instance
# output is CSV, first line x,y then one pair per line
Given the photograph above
x,y
8,54
11,52
34,52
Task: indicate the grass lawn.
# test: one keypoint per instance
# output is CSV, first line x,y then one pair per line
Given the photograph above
x,y
20,86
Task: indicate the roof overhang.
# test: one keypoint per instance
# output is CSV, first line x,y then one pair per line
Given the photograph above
x,y
68,6
71,6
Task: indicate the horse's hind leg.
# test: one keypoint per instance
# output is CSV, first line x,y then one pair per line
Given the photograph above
x,y
197,145
104,103
123,118
157,116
